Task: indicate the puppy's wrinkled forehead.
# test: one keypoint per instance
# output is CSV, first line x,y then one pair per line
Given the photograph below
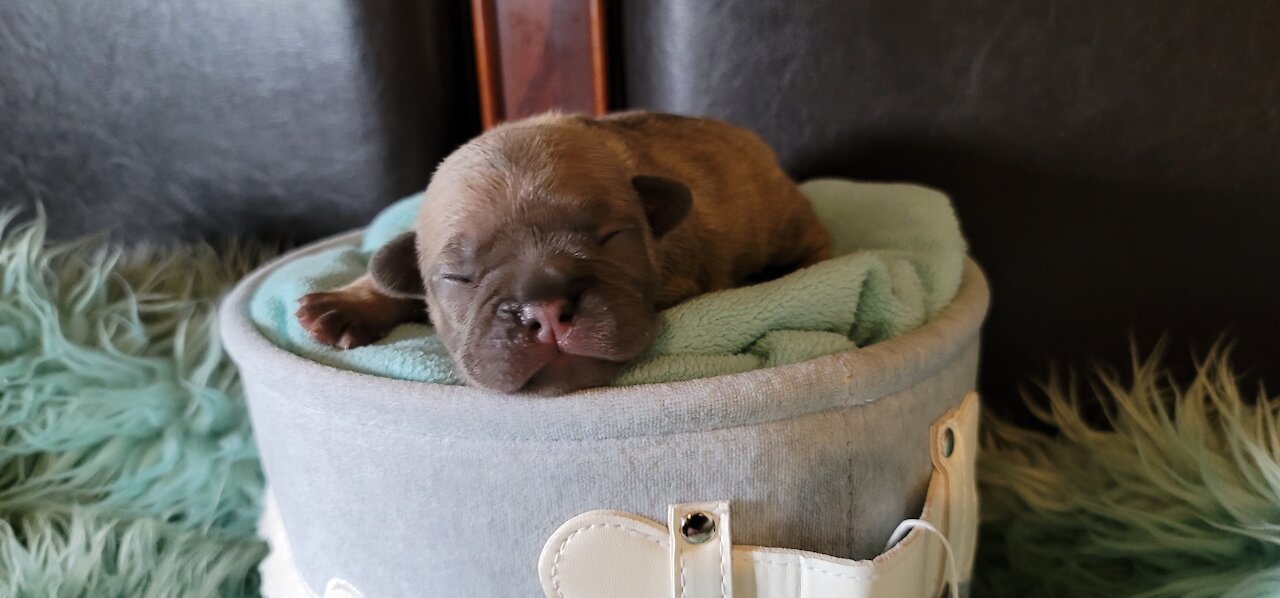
x,y
531,225
524,190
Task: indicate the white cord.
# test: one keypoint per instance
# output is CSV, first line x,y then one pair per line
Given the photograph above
x,y
953,581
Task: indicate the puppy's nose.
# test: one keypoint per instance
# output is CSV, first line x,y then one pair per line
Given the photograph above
x,y
548,321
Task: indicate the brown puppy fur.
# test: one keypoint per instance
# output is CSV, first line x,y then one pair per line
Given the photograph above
x,y
545,248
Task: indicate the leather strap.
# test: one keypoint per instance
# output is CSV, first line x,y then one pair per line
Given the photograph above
x,y
701,565
619,555
955,444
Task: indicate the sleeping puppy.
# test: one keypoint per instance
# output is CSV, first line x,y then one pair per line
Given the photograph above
x,y
545,248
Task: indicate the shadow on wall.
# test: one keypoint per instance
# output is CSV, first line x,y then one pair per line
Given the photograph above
x,y
409,73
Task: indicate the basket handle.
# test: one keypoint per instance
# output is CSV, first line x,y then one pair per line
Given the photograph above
x,y
620,555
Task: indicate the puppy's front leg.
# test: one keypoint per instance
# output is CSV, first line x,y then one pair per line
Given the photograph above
x,y
356,314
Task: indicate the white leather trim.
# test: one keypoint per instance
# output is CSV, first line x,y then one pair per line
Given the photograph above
x,y
701,569
586,551
337,588
610,554
957,469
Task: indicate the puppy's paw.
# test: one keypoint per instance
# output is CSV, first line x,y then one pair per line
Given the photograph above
x,y
341,319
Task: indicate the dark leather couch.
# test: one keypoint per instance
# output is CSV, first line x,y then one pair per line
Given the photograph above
x,y
1116,165
165,120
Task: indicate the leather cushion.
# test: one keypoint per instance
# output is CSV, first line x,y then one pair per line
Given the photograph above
x,y
175,119
1114,164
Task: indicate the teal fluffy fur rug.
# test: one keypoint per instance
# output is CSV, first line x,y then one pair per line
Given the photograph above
x,y
1178,494
127,467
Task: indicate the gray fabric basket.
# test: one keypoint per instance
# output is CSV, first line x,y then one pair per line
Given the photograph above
x,y
413,489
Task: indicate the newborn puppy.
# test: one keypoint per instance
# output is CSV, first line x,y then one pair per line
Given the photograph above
x,y
545,248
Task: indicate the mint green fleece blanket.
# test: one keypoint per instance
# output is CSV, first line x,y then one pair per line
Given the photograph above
x,y
899,257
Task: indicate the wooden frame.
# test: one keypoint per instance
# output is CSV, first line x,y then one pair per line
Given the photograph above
x,y
537,55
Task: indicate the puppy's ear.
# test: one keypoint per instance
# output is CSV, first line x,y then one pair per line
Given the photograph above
x,y
666,202
394,268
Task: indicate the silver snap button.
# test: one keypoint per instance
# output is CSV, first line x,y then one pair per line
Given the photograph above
x,y
698,527
948,442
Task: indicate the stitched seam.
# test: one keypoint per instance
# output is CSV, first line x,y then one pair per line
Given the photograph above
x,y
724,560
724,588
724,575
684,584
555,565
763,559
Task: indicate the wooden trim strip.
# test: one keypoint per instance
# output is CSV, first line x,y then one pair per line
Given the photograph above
x,y
535,55
488,62
599,57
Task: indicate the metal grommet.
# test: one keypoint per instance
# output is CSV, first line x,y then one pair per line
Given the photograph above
x,y
698,527
948,442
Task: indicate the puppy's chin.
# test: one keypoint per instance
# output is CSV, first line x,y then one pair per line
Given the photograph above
x,y
567,373
549,370
543,370
592,355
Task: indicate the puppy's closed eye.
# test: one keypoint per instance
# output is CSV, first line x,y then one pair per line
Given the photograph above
x,y
613,234
457,278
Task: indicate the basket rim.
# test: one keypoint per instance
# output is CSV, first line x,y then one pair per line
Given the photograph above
x,y
749,398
